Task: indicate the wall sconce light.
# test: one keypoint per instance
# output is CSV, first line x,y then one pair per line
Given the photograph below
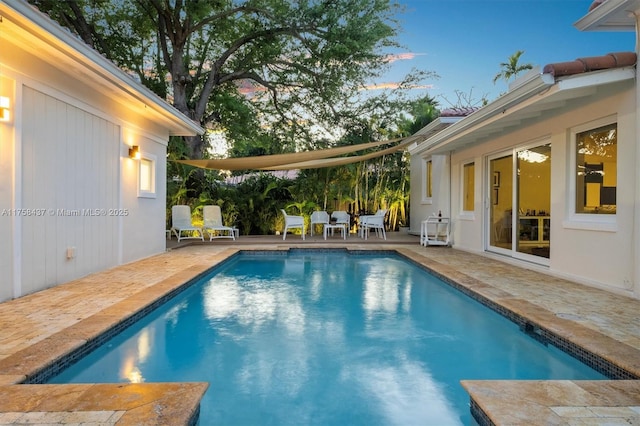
x,y
134,152
4,108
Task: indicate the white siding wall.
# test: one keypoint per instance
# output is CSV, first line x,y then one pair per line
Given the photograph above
x,y
143,229
65,149
70,166
7,155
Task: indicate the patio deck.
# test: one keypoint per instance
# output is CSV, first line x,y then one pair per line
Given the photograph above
x,y
40,329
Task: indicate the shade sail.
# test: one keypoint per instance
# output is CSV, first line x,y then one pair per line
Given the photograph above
x,y
331,162
306,159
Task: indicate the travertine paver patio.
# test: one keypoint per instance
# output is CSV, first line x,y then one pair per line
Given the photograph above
x,y
37,329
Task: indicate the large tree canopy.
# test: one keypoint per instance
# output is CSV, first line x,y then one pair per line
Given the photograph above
x,y
258,70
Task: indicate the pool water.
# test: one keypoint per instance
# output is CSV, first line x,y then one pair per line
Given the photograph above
x,y
325,338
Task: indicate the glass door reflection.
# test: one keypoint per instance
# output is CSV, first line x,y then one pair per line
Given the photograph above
x,y
501,196
534,200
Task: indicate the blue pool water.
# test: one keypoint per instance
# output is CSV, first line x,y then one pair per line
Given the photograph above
x,y
325,338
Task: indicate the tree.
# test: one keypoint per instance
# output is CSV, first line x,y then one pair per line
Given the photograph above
x,y
511,68
304,61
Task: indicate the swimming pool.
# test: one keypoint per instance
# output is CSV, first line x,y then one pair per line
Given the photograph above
x,y
325,338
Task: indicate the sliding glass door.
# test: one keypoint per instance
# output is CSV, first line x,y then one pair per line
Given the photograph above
x,y
519,214
501,202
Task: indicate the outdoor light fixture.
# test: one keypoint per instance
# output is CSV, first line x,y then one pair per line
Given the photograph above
x,y
4,108
134,152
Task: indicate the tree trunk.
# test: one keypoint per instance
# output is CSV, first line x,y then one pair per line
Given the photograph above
x,y
195,145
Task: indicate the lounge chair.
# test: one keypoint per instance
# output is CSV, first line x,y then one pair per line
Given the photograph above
x,y
319,218
375,221
181,222
292,222
212,218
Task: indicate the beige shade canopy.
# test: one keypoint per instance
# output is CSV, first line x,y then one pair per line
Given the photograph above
x,y
331,162
301,160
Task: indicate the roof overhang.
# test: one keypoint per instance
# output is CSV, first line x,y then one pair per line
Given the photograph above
x,y
611,15
436,126
35,32
529,101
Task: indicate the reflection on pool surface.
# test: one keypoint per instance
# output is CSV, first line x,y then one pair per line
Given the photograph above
x,y
325,338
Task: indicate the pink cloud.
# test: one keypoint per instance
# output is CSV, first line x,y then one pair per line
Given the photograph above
x,y
402,57
247,87
394,85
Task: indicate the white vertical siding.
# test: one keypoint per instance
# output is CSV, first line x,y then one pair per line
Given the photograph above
x,y
143,229
7,231
71,165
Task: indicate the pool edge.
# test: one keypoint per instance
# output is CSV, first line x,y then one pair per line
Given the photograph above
x,y
476,398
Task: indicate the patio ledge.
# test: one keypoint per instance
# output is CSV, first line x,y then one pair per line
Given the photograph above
x,y
105,404
554,402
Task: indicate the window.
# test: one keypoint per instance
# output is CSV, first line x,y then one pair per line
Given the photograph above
x,y
468,185
428,192
596,170
147,177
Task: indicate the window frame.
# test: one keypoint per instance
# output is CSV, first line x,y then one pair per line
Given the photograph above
x,y
463,187
586,221
152,159
427,180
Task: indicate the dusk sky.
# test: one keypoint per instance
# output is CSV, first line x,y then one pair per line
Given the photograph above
x,y
464,41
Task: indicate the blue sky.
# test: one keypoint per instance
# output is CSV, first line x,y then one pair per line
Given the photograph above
x,y
464,41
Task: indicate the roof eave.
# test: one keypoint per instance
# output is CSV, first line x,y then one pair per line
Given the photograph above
x,y
39,25
610,16
500,106
537,91
436,126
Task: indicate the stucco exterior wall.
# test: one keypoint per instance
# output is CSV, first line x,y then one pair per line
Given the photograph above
x,y
582,247
421,205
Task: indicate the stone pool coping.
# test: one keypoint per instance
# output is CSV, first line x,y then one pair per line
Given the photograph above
x,y
102,404
550,402
492,402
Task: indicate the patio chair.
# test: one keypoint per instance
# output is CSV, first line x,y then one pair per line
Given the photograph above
x,y
212,218
342,217
181,222
375,221
363,219
319,218
292,222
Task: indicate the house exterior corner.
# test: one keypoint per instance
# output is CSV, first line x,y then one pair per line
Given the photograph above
x,y
73,201
547,175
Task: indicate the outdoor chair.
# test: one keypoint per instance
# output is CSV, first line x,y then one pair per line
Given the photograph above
x,y
375,221
319,218
212,219
181,222
292,222
342,218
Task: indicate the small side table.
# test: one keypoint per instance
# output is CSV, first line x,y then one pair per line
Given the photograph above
x,y
435,231
341,226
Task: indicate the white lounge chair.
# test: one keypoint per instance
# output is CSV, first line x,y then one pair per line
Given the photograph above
x,y
212,218
292,222
181,222
319,218
375,221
